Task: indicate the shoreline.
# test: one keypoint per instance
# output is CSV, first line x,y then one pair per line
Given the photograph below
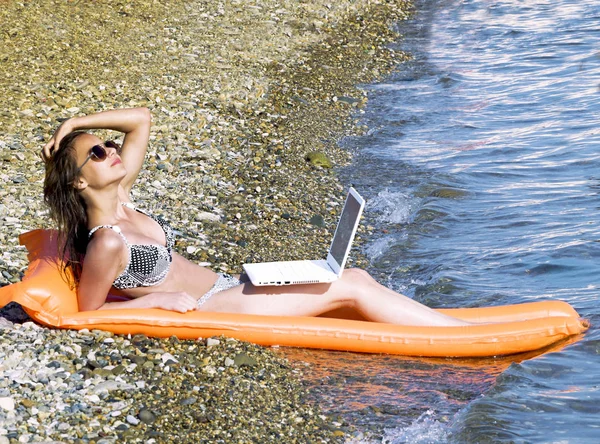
x,y
241,97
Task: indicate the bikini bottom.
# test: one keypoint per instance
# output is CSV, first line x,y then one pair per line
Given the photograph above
x,y
224,282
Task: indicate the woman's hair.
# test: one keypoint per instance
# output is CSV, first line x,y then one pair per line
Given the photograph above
x,y
67,207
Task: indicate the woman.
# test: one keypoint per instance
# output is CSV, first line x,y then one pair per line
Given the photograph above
x,y
129,251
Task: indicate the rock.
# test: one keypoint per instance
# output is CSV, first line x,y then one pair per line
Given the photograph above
x,y
212,341
148,365
243,359
317,220
118,370
53,364
93,398
7,403
28,403
317,158
5,324
189,401
132,420
146,416
139,340
206,216
107,386
348,100
168,359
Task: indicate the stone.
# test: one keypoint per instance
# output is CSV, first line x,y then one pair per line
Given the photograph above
x,y
189,401
146,416
7,403
212,341
132,420
5,324
168,359
243,359
317,158
317,220
206,216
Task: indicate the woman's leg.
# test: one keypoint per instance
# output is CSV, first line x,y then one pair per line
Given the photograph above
x,y
356,289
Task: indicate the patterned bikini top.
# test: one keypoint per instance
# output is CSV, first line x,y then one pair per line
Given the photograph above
x,y
147,265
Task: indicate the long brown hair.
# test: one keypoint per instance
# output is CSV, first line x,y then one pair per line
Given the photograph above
x,y
67,207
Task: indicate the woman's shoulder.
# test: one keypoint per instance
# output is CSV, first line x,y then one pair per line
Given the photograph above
x,y
107,239
105,258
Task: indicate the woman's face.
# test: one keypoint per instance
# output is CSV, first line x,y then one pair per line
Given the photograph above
x,y
94,172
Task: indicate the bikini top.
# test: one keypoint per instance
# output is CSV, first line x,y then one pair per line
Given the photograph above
x,y
147,265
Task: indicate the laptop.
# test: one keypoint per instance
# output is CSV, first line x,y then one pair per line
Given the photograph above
x,y
314,271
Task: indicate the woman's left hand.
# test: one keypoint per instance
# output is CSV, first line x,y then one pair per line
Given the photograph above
x,y
52,146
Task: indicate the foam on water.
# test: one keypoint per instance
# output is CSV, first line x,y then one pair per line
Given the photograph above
x,y
392,207
424,430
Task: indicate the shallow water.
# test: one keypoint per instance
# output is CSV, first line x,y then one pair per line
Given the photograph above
x,y
481,174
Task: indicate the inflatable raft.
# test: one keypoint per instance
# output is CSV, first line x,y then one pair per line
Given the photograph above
x,y
504,330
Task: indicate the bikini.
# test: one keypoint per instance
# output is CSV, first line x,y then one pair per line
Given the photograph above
x,y
148,265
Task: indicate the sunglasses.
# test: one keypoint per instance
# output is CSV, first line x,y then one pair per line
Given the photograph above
x,y
98,152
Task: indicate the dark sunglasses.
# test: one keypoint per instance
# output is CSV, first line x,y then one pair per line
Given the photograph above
x,y
98,152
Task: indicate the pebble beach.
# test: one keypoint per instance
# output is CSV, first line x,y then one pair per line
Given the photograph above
x,y
249,101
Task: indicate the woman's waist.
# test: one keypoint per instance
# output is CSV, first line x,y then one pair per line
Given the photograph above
x,y
183,275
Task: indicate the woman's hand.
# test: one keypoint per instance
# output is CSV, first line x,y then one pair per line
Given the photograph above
x,y
174,301
52,146
178,301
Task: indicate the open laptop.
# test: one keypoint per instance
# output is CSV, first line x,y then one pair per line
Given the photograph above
x,y
314,271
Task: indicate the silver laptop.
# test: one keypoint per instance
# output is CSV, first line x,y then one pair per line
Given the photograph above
x,y
315,271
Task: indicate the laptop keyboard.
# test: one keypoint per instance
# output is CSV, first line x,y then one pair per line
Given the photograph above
x,y
299,270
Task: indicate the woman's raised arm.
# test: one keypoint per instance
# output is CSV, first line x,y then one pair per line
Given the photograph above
x,y
134,122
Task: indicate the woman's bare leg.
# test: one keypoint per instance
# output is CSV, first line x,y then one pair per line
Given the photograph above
x,y
356,289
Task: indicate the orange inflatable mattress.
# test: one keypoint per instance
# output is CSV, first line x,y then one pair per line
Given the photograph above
x,y
504,330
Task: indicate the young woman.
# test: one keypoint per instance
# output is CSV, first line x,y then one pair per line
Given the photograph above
x,y
130,251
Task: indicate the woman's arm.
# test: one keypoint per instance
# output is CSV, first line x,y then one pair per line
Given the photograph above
x,y
173,301
106,256
134,122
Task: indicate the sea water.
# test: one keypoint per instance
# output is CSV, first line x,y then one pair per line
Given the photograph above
x,y
481,169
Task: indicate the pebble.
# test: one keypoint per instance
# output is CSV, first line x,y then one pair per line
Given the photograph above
x,y
7,403
146,416
206,216
210,342
132,420
93,398
168,358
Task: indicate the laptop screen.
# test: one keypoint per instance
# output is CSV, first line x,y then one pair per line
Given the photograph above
x,y
346,228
